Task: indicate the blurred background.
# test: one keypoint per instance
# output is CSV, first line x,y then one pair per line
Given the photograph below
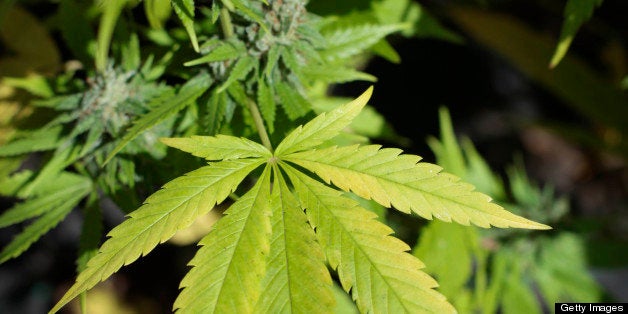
x,y
549,144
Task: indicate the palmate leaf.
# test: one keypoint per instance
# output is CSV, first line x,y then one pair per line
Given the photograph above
x,y
296,281
247,264
382,276
170,209
227,270
391,179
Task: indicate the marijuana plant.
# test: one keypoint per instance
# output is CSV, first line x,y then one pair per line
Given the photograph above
x,y
225,92
253,258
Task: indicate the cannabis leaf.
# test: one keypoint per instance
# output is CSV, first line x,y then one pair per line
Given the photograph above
x,y
185,11
168,210
382,276
391,179
251,262
229,267
291,236
576,13
51,206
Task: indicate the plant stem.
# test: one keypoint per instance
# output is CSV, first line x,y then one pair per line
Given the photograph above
x,y
227,30
225,23
259,124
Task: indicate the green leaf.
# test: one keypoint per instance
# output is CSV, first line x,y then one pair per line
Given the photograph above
x,y
576,13
213,113
185,11
34,84
40,140
272,59
374,266
288,55
291,100
168,210
218,147
11,184
561,272
447,250
56,194
383,49
44,223
189,92
225,51
517,296
448,152
323,127
244,10
157,12
66,154
242,67
228,268
348,41
266,103
335,74
391,179
344,304
297,280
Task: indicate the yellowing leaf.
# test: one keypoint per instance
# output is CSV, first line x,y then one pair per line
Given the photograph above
x,y
295,258
172,208
382,276
391,179
227,270
324,127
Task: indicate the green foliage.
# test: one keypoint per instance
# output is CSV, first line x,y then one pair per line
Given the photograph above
x,y
185,11
504,268
163,107
305,229
228,270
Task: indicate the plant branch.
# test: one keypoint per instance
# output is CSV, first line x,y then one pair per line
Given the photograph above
x,y
259,124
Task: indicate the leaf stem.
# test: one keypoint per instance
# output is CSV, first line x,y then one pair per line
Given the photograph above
x,y
225,23
259,124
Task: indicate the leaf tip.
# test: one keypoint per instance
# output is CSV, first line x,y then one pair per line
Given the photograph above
x,y
540,226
